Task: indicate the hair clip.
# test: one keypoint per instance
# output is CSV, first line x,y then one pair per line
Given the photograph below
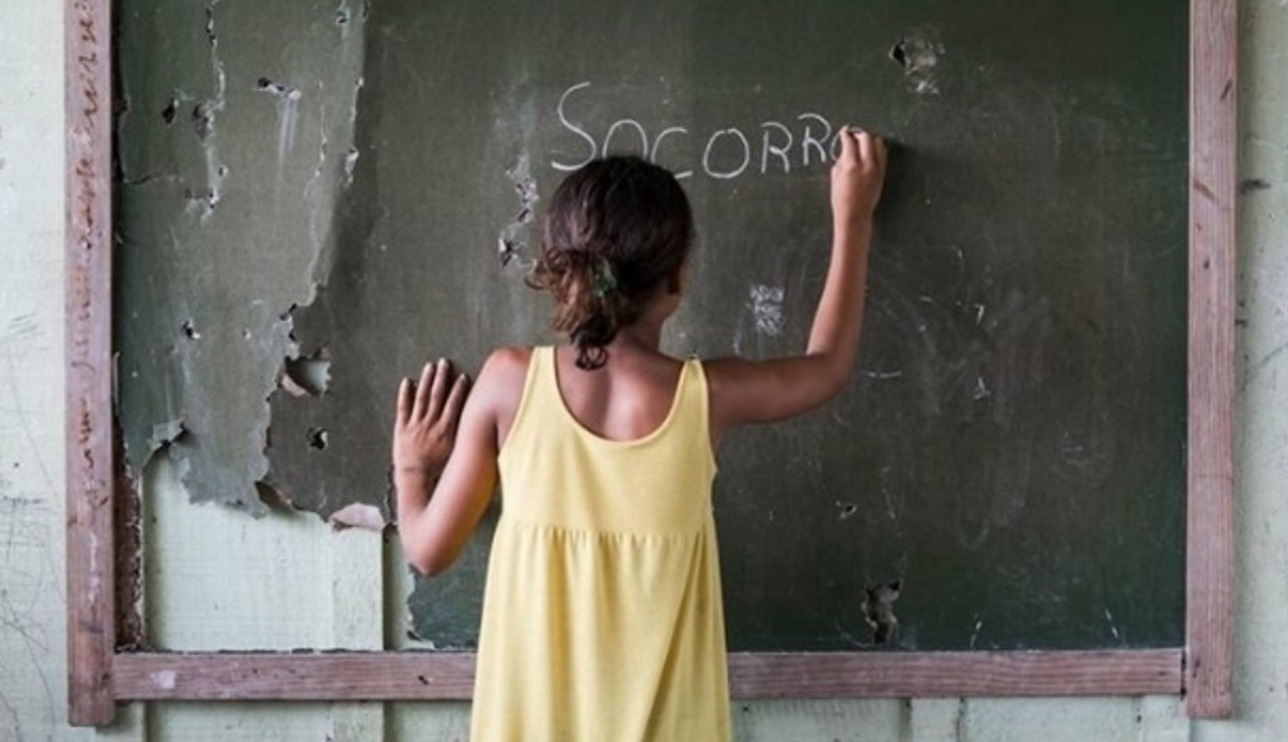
x,y
605,280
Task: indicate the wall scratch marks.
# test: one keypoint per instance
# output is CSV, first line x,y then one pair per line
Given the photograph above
x,y
26,531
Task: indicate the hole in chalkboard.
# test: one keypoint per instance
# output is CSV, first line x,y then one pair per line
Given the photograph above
x,y
306,376
878,610
318,438
190,330
508,249
899,55
170,111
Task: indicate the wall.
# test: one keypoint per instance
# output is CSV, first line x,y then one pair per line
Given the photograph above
x,y
275,577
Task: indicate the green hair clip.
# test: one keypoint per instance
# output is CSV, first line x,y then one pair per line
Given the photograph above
x,y
605,280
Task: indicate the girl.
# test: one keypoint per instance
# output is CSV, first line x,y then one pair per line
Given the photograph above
x,y
602,614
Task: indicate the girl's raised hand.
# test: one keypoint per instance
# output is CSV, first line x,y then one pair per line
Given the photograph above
x,y
426,419
857,176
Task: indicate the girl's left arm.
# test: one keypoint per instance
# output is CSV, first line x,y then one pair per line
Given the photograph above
x,y
444,459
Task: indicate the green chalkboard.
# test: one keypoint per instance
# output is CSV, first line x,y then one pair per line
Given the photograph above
x,y
1006,470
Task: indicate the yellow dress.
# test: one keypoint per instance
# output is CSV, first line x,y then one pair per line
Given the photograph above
x,y
602,616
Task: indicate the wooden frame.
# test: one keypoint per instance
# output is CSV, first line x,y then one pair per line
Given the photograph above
x,y
101,674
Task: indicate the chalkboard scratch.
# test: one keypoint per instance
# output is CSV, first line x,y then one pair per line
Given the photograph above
x,y
288,103
974,635
1113,628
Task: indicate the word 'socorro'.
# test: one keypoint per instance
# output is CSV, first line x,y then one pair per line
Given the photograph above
x,y
726,153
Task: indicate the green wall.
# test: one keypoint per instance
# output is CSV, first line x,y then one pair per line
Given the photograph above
x,y
219,579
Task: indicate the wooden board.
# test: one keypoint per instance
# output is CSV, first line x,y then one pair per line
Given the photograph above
x,y
450,676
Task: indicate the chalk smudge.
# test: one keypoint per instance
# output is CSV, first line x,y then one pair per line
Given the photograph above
x,y
766,304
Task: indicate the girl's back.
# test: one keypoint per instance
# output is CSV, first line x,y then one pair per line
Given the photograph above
x,y
602,615
627,399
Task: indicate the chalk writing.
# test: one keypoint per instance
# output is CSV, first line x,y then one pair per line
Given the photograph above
x,y
726,152
766,306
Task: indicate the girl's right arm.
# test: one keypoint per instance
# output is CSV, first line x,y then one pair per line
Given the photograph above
x,y
744,391
445,445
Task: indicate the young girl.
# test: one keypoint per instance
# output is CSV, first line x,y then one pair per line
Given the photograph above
x,y
602,615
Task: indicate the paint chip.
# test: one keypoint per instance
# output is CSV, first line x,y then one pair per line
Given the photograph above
x,y
510,243
357,515
164,679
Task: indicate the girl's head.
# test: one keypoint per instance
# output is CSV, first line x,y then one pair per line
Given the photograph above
x,y
617,236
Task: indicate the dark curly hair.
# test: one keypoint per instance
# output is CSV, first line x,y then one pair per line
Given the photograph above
x,y
617,234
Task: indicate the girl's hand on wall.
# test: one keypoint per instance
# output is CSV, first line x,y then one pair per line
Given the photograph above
x,y
425,424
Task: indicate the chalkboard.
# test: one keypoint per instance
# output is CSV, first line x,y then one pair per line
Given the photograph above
x,y
1007,469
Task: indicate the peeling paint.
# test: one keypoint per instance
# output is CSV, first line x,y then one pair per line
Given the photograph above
x,y
358,515
511,245
306,376
163,434
350,162
194,387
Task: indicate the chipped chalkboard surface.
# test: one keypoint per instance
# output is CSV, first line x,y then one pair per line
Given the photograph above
x,y
305,222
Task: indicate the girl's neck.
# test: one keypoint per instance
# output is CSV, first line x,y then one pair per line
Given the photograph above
x,y
643,334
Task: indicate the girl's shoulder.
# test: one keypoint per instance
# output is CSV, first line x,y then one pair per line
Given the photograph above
x,y
498,390
505,367
509,358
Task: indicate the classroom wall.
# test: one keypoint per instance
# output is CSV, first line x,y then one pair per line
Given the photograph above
x,y
219,579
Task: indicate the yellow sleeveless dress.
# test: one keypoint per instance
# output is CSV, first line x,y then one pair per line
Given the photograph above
x,y
602,616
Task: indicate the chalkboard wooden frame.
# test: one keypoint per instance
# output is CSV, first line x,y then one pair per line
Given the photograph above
x,y
102,673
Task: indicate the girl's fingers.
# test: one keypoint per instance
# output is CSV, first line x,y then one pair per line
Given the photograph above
x,y
847,144
404,402
867,146
438,390
456,400
421,405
